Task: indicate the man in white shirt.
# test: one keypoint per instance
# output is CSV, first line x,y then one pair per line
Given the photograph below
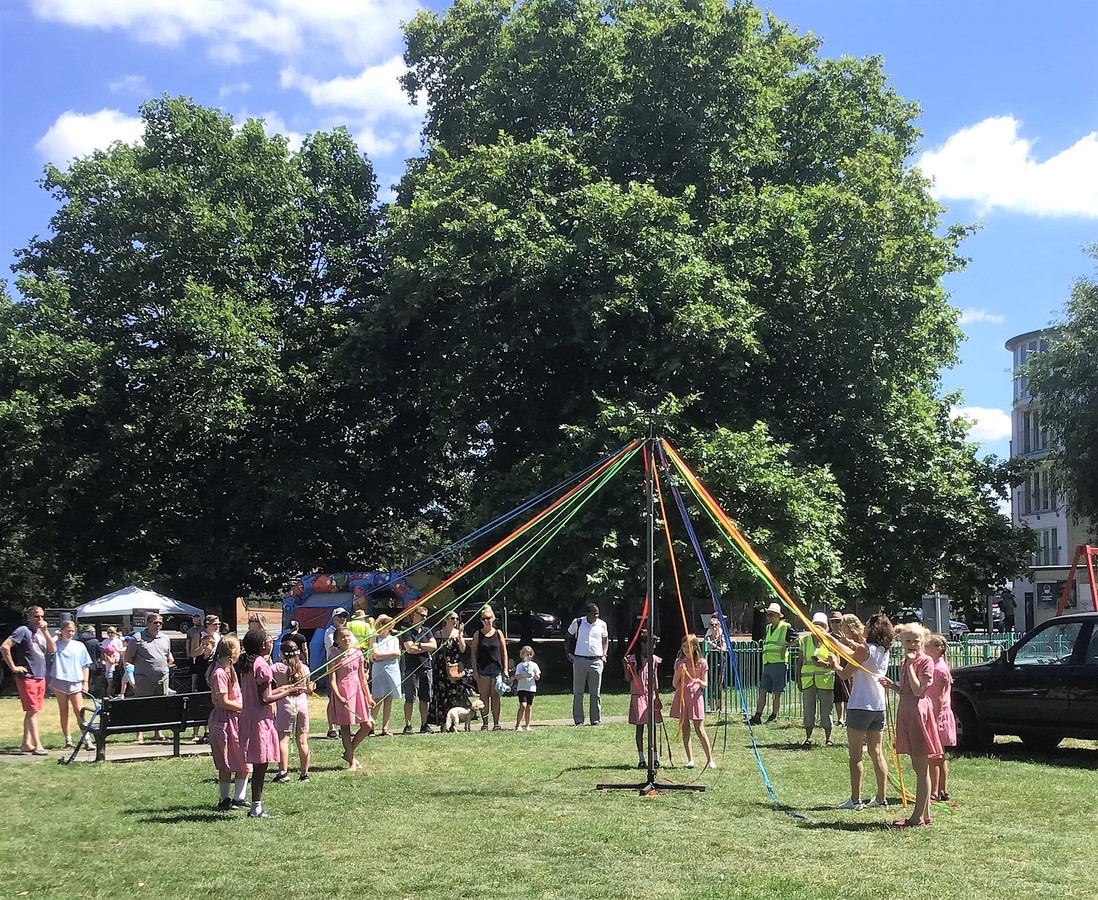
x,y
588,660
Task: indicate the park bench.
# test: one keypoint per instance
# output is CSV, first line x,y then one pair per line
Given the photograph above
x,y
175,713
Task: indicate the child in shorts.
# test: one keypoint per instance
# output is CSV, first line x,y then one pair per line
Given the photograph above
x,y
527,674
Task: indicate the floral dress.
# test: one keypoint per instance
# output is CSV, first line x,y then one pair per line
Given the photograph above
x,y
447,694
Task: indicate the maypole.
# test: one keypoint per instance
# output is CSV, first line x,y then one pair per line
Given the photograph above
x,y
652,784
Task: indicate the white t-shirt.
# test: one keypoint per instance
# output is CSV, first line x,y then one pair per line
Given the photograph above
x,y
590,636
868,692
526,675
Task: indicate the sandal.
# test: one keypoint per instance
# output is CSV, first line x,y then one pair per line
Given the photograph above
x,y
807,745
908,823
829,743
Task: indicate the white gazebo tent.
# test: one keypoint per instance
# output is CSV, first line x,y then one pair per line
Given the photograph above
x,y
123,603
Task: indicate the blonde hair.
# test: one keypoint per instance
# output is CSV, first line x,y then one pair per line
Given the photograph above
x,y
938,640
921,632
853,624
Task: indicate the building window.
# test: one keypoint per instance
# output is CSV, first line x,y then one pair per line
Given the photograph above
x,y
1048,548
1034,437
1038,495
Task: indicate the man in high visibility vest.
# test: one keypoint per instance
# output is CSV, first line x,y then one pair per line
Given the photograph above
x,y
776,641
816,679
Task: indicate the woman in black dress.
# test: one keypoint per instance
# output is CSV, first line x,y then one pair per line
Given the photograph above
x,y
489,655
451,652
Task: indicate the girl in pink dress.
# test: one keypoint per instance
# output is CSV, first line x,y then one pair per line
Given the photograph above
x,y
350,700
258,734
916,728
223,726
691,674
292,712
636,675
942,698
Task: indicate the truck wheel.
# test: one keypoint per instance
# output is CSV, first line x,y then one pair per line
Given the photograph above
x,y
972,735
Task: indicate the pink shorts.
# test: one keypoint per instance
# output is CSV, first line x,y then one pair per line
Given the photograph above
x,y
32,692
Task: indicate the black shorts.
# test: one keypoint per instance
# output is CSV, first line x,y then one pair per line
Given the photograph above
x,y
527,697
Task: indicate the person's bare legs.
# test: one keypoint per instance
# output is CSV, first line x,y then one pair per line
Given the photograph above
x,y
703,736
855,740
875,743
63,710
686,743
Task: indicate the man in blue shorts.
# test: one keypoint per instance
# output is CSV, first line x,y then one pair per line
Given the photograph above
x,y
776,641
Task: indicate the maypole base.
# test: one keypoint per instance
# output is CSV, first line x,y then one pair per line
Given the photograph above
x,y
651,786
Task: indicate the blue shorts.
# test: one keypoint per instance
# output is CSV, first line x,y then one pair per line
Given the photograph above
x,y
774,677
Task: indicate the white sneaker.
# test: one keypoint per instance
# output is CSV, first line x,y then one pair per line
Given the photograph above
x,y
852,804
712,764
872,804
690,764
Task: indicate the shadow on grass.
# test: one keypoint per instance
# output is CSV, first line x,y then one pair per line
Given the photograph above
x,y
1061,758
849,826
173,815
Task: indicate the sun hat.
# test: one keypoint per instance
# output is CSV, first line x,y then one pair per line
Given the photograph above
x,y
819,618
774,608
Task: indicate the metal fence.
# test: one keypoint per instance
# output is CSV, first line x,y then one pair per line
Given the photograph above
x,y
721,693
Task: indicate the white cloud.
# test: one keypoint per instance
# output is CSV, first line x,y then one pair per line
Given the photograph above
x,y
227,90
987,424
274,124
375,91
78,134
991,165
361,30
137,84
385,121
970,315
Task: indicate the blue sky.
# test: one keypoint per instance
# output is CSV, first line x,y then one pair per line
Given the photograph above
x,y
1008,90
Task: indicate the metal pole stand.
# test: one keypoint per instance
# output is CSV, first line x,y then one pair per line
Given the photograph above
x,y
652,785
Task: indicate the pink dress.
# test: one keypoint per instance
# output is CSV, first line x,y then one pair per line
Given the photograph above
x,y
291,713
638,692
257,725
355,710
916,728
942,698
689,702
224,725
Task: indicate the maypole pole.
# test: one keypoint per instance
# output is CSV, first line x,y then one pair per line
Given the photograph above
x,y
652,784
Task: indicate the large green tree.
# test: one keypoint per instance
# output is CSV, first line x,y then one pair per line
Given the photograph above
x,y
1066,379
168,408
632,202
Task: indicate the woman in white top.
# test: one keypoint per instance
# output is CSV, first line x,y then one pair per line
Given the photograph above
x,y
865,712
69,678
385,670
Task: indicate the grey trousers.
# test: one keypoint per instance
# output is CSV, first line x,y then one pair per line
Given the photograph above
x,y
826,699
587,673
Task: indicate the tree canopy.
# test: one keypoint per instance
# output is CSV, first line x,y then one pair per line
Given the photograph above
x,y
1066,379
228,360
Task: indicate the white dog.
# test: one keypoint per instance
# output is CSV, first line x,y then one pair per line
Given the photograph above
x,y
463,714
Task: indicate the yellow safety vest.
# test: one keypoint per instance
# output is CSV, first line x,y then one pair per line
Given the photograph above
x,y
814,672
774,643
362,632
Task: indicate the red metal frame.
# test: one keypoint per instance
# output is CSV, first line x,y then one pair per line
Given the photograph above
x,y
1090,553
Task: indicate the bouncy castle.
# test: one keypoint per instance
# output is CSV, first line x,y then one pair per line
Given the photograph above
x,y
312,598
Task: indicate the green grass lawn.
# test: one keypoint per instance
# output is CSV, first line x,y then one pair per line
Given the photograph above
x,y
506,815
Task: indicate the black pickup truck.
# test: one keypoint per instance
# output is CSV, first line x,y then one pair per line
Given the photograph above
x,y
1044,689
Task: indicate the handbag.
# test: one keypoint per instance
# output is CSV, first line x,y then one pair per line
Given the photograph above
x,y
455,671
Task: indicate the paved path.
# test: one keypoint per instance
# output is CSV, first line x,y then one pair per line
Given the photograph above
x,y
127,751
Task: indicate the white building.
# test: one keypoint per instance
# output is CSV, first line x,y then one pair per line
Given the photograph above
x,y
1036,504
